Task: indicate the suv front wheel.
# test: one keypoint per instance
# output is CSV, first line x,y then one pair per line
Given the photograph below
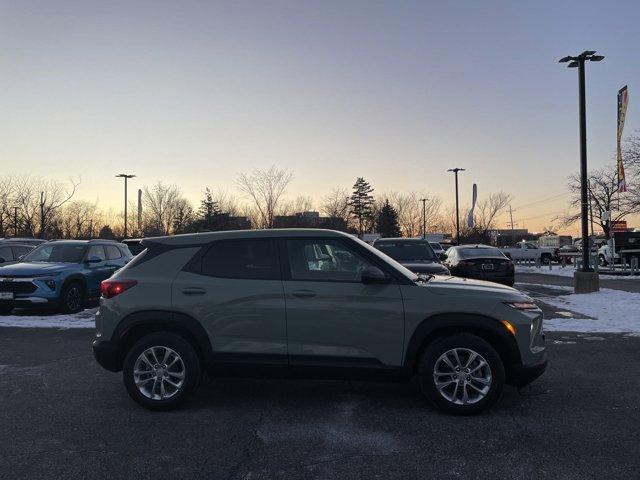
x,y
461,374
161,370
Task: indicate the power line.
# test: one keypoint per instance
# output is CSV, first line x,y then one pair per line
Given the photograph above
x,y
542,200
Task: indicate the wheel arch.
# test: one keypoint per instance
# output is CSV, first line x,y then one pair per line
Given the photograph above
x,y
77,278
134,326
489,329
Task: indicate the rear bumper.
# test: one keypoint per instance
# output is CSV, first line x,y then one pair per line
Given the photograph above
x,y
106,354
522,375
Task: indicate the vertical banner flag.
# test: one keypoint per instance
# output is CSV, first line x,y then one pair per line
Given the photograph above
x,y
474,197
623,100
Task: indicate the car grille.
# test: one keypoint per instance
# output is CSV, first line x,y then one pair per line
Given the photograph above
x,y
17,287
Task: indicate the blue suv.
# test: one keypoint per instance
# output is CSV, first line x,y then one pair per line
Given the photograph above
x,y
60,274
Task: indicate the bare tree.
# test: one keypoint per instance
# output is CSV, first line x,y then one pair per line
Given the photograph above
x,y
265,188
336,204
631,153
52,196
487,211
300,204
160,203
604,197
6,207
409,208
183,217
79,219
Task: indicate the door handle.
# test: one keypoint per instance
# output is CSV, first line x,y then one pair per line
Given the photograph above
x,y
193,291
304,293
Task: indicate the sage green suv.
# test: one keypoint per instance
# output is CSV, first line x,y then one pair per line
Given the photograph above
x,y
311,302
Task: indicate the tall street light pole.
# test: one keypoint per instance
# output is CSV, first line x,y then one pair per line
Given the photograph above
x,y
424,217
579,62
455,171
126,177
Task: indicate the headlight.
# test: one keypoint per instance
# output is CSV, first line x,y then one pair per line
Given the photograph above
x,y
522,305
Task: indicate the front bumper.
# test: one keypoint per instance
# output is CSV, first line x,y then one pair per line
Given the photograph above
x,y
106,355
522,375
32,301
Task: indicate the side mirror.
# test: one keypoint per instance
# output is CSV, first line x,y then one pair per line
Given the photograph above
x,y
442,256
94,260
374,276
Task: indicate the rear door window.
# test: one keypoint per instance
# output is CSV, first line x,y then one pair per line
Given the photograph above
x,y
253,259
96,251
113,252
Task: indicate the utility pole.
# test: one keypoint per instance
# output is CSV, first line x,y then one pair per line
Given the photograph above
x,y
42,215
15,221
590,284
455,171
139,233
126,177
513,235
424,217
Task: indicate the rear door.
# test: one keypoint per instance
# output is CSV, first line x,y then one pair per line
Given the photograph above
x,y
234,289
332,317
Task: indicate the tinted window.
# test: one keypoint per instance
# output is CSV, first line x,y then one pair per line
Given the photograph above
x,y
19,251
5,254
96,251
113,252
408,251
480,252
251,259
64,253
326,260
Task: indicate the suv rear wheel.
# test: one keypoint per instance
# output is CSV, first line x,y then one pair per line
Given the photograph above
x,y
461,374
161,370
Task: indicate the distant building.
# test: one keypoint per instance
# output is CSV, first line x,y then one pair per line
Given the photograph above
x,y
309,220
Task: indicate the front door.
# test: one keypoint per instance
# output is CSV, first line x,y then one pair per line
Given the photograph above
x,y
234,290
332,317
98,269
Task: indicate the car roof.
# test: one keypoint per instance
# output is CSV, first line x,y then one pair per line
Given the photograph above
x,y
16,244
196,239
400,239
477,245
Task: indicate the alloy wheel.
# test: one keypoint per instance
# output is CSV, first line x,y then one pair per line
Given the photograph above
x,y
73,299
462,376
159,373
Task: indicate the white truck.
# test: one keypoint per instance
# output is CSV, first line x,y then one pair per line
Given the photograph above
x,y
620,244
529,251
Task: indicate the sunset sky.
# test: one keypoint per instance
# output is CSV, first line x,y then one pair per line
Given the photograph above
x,y
193,93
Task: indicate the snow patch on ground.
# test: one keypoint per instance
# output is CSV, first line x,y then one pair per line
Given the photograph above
x,y
84,319
612,311
568,271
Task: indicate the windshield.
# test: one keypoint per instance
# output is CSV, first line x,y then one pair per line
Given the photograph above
x,y
408,251
62,253
436,246
402,269
480,252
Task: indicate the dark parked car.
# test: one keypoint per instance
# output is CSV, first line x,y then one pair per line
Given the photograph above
x,y
34,242
481,262
415,254
11,252
134,244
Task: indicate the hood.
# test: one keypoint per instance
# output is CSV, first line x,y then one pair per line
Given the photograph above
x,y
426,267
458,285
21,269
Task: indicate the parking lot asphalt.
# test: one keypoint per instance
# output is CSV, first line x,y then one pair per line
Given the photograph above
x,y
626,284
62,416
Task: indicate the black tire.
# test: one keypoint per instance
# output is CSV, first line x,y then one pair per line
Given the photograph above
x,y
72,298
546,259
463,341
5,309
603,261
188,357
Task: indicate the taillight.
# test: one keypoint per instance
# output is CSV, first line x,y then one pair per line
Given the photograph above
x,y
111,288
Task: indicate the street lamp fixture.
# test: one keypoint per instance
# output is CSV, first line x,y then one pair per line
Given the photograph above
x,y
126,177
579,62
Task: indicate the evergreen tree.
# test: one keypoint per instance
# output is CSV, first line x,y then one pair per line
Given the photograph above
x,y
107,233
208,212
387,221
361,203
